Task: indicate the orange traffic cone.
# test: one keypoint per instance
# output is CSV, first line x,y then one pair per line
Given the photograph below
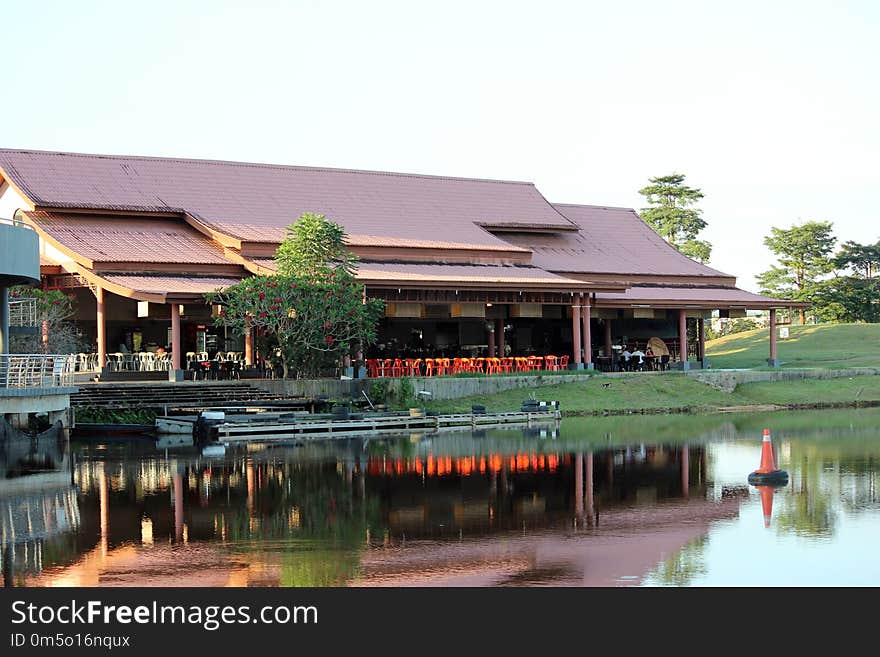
x,y
766,502
767,473
768,463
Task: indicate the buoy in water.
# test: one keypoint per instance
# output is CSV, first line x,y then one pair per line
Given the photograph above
x,y
768,473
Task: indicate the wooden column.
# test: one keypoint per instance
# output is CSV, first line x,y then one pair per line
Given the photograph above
x,y
683,338
499,336
576,334
608,337
176,343
102,328
249,345
491,331
774,362
587,338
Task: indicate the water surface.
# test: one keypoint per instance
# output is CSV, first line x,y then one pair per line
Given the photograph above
x,y
625,501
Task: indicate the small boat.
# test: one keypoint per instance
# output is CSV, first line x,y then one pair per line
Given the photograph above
x,y
214,450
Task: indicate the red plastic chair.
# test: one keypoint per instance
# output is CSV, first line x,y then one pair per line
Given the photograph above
x,y
373,367
429,367
563,362
397,367
551,364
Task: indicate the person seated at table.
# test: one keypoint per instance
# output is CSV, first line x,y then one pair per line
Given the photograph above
x,y
640,355
649,352
625,356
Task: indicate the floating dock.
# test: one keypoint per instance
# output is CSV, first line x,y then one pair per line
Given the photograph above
x,y
274,426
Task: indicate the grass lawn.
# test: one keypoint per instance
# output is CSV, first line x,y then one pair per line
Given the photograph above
x,y
822,346
671,391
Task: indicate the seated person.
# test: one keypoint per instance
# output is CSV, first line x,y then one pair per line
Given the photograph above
x,y
625,355
638,353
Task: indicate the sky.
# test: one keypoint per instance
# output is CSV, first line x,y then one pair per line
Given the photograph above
x,y
770,108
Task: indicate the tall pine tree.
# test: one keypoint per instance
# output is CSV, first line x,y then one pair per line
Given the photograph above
x,y
674,216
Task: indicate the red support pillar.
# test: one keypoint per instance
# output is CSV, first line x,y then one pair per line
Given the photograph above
x,y
608,337
248,345
102,327
576,335
176,343
499,336
774,361
683,338
587,338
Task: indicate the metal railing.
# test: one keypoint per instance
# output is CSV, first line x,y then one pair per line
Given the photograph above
x,y
36,370
18,223
23,312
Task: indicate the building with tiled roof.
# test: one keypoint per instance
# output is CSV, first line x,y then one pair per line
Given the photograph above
x,y
462,263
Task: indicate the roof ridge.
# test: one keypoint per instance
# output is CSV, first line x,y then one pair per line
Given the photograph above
x,y
265,165
589,205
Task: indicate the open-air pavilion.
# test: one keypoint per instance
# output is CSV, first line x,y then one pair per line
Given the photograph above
x,y
465,266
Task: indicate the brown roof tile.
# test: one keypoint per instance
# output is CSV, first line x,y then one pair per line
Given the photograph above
x,y
691,296
171,285
129,238
255,202
610,240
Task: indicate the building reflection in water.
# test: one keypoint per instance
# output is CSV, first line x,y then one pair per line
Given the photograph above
x,y
488,507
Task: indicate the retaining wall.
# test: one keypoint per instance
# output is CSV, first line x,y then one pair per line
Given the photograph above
x,y
728,380
455,388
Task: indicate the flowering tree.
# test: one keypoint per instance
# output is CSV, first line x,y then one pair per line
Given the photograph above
x,y
314,309
53,312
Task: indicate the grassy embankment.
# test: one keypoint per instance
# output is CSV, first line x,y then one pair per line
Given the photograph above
x,y
673,392
822,346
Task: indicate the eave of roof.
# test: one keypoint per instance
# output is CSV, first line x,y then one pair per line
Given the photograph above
x,y
690,297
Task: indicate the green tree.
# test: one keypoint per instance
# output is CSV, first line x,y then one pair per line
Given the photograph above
x,y
313,309
803,252
314,246
674,216
863,259
848,299
54,310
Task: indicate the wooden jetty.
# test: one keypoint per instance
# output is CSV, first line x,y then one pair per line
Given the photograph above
x,y
259,427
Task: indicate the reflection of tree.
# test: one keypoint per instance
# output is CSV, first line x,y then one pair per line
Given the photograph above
x,y
807,511
682,567
320,526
